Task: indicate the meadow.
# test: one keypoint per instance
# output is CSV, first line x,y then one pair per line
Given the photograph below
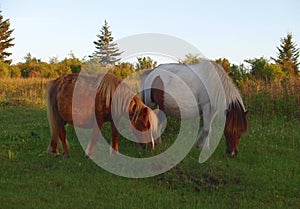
x,y
264,174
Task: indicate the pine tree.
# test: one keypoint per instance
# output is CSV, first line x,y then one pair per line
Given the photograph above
x,y
288,55
5,39
106,50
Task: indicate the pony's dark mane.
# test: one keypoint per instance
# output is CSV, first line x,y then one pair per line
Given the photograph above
x,y
236,121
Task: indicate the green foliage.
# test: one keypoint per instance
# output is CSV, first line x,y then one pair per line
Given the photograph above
x,y
262,69
4,70
5,39
238,73
278,73
15,71
61,68
34,68
122,70
190,59
106,50
287,56
7,71
225,64
74,63
93,67
145,63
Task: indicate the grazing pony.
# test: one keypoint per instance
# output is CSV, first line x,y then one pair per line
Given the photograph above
x,y
156,85
97,99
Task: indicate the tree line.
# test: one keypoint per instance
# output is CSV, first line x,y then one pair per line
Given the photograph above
x,y
106,55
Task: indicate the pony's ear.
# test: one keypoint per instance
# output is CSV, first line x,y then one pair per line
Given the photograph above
x,y
132,106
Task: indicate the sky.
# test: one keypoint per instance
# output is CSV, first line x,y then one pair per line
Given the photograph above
x,y
232,29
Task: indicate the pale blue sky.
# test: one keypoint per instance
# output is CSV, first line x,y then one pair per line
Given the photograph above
x,y
233,29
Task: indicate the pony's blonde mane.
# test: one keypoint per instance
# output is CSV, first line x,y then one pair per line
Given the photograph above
x,y
236,121
232,93
119,95
113,90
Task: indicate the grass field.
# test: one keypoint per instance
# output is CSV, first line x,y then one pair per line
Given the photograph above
x,y
265,174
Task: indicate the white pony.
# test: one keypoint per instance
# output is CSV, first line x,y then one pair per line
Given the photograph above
x,y
182,90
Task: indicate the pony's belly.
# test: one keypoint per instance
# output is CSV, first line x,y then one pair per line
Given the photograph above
x,y
184,108
82,120
79,113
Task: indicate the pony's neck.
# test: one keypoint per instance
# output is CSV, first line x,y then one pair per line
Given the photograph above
x,y
232,93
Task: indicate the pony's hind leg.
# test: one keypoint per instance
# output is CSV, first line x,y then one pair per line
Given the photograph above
x,y
115,139
55,136
64,141
53,146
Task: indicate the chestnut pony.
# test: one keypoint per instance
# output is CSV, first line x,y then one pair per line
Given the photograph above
x,y
64,109
156,84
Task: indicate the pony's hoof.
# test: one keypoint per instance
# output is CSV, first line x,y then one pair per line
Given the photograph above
x,y
67,155
89,157
198,144
113,152
50,151
231,153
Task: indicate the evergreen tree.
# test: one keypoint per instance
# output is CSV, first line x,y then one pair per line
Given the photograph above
x,y
5,39
106,50
288,55
260,68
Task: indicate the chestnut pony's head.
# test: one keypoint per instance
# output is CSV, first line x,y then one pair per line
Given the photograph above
x,y
144,122
236,125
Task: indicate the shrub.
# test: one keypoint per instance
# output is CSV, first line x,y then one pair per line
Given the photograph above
x,y
15,71
4,70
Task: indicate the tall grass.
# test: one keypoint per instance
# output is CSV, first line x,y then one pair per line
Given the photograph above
x,y
264,99
28,92
272,99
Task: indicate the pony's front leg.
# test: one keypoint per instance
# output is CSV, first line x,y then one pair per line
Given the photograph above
x,y
90,150
208,117
115,139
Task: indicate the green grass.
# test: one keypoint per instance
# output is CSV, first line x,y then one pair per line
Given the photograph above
x,y
265,174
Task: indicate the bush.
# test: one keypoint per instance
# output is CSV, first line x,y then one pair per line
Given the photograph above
x,y
4,70
15,71
123,70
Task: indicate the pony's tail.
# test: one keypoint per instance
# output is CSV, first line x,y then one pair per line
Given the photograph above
x,y
53,117
156,120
